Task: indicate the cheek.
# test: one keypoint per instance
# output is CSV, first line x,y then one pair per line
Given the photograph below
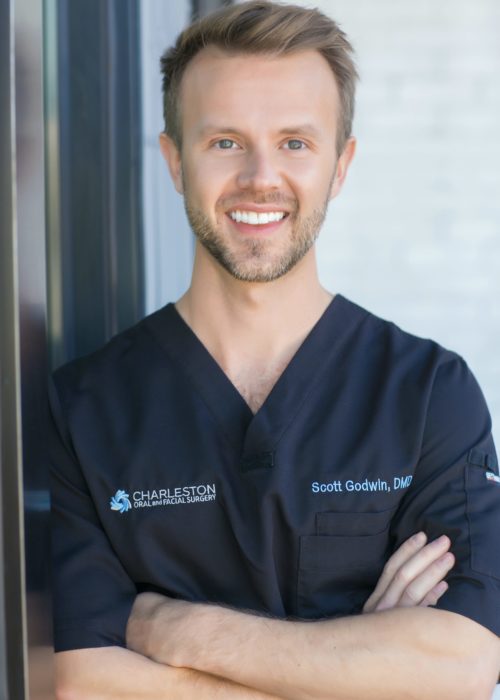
x,y
208,181
311,194
310,176
197,187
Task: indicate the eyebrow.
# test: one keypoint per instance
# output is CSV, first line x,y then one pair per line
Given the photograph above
x,y
299,130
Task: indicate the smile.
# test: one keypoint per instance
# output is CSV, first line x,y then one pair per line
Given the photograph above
x,y
257,218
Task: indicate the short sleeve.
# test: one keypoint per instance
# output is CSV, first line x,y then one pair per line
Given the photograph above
x,y
92,593
456,491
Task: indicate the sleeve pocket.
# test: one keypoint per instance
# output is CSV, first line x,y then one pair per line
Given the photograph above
x,y
483,512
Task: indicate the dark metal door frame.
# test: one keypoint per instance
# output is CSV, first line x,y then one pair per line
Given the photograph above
x,y
95,262
9,376
22,334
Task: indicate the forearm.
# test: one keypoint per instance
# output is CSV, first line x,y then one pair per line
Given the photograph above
x,y
412,653
114,673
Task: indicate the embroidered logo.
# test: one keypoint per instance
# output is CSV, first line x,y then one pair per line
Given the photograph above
x,y
120,501
366,486
198,493
493,478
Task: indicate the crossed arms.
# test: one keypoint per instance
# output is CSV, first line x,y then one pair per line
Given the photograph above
x,y
398,648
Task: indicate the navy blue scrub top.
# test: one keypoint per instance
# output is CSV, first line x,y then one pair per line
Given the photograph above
x,y
164,480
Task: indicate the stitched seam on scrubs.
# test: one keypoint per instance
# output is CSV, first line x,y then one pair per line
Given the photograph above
x,y
297,578
312,386
467,514
437,369
200,393
199,389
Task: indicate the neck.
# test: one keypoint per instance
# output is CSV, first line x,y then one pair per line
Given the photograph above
x,y
252,322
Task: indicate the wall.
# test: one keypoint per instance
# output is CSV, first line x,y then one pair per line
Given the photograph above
x,y
168,241
415,235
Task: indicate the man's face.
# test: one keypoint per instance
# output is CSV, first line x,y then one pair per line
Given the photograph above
x,y
258,159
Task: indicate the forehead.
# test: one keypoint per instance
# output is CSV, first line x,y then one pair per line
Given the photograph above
x,y
251,89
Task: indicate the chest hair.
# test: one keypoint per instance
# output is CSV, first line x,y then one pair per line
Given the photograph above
x,y
255,384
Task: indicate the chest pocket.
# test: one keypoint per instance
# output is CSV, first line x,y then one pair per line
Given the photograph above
x,y
340,565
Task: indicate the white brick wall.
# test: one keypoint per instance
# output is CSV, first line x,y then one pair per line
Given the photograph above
x,y
415,236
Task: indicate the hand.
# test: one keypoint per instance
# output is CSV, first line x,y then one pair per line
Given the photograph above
x,y
414,575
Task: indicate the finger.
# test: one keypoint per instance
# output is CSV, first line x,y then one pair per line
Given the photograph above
x,y
412,568
415,593
433,596
417,576
405,552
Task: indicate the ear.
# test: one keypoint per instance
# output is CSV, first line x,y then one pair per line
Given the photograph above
x,y
173,159
343,166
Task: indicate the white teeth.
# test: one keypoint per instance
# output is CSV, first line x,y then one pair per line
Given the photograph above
x,y
255,218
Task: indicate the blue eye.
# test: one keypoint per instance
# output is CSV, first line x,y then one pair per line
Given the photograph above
x,y
225,144
295,145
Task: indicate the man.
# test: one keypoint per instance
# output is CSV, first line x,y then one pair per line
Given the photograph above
x,y
263,461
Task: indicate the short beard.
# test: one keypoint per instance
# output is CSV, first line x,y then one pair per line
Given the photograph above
x,y
254,265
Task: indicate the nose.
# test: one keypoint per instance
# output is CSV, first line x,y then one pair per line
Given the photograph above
x,y
259,172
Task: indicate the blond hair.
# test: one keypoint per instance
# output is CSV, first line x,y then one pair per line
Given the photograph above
x,y
262,27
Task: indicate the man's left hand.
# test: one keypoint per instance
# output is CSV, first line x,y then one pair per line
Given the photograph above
x,y
414,575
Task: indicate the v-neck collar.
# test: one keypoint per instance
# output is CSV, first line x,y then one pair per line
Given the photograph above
x,y
255,437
